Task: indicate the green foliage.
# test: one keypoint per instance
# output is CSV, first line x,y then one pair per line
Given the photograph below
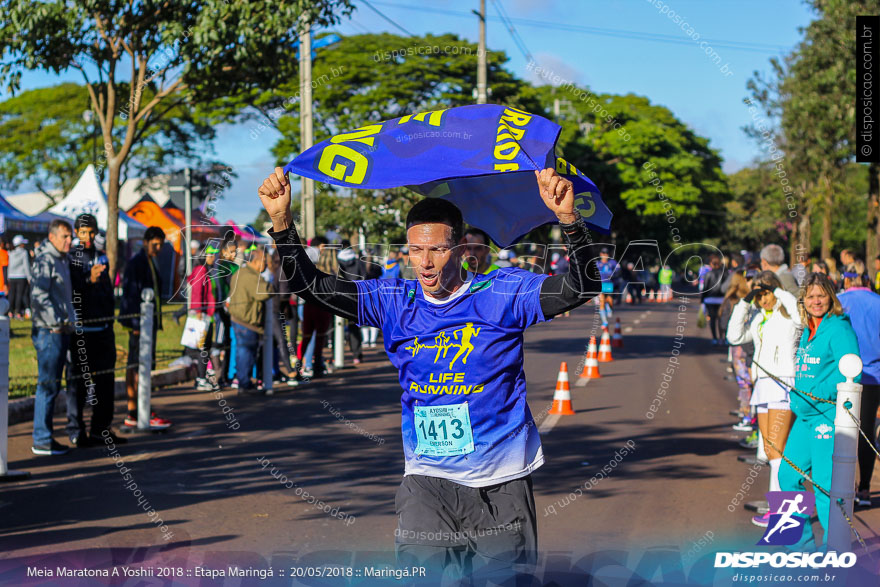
x,y
45,140
619,141
360,80
809,98
757,213
174,52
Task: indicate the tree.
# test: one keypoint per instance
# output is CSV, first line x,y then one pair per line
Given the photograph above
x,y
661,180
44,139
173,52
365,78
810,96
756,214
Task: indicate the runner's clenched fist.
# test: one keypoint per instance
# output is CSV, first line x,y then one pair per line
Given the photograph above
x,y
275,196
558,194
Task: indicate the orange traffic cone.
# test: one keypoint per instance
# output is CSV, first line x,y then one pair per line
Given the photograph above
x,y
617,339
562,396
651,296
605,347
591,365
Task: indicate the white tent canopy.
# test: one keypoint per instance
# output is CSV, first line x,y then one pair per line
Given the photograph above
x,y
87,196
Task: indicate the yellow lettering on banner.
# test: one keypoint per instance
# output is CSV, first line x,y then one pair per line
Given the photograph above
x,y
563,167
435,117
579,201
506,147
513,133
517,117
337,169
361,135
507,151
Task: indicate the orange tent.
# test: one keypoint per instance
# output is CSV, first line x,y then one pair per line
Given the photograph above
x,y
149,213
202,227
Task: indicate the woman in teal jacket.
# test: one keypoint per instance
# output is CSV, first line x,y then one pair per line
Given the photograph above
x,y
827,336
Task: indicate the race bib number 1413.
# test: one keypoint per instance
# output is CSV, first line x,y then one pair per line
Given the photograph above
x,y
443,431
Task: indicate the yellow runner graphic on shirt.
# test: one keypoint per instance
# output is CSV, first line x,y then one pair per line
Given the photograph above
x,y
462,339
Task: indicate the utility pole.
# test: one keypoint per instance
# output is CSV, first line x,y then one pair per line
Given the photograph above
x,y
305,117
187,215
481,56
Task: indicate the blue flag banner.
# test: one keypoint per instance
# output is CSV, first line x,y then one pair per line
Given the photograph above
x,y
482,158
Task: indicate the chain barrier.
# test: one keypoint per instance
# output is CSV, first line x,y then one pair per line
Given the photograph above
x,y
792,388
802,473
101,319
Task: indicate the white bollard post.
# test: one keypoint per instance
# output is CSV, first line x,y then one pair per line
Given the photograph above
x,y
145,359
268,343
338,343
844,458
5,473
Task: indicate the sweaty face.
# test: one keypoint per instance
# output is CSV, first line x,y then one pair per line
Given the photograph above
x,y
817,302
435,257
86,236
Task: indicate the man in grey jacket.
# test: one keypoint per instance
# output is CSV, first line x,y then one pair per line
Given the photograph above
x,y
53,316
773,259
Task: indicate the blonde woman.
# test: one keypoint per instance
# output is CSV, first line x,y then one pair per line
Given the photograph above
x,y
768,317
738,289
828,336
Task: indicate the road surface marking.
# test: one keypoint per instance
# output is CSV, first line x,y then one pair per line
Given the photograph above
x,y
548,423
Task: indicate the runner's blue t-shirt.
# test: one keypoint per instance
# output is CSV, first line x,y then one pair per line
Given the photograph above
x,y
606,269
464,414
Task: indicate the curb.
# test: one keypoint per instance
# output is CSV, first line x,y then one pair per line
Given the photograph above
x,y
22,409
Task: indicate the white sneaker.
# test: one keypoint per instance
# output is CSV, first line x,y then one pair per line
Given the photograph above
x,y
203,385
744,426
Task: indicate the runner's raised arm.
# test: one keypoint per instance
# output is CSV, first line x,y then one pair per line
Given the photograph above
x,y
559,293
335,295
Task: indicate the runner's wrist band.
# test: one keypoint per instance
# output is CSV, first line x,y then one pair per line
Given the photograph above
x,y
578,227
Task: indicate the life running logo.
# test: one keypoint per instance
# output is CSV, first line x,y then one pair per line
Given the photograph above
x,y
785,528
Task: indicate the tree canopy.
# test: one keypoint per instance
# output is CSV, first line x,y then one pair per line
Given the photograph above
x,y
45,140
142,60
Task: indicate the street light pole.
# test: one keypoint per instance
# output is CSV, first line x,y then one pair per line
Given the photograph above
x,y
481,57
187,212
306,130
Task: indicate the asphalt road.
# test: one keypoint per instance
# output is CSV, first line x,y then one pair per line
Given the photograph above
x,y
667,501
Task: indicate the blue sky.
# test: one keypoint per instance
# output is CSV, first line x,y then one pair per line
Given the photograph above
x,y
608,52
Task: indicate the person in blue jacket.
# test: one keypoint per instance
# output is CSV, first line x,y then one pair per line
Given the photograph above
x,y
863,308
828,335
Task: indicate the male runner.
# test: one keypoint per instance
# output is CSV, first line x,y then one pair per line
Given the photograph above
x,y
465,503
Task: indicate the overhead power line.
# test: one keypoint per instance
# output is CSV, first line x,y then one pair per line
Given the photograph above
x,y
607,32
400,28
514,34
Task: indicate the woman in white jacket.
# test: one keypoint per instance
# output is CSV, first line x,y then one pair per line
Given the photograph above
x,y
768,317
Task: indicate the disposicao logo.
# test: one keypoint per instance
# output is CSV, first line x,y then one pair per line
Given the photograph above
x,y
785,528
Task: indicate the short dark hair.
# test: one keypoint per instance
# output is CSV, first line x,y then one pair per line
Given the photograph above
x,y
153,233
59,223
437,211
474,231
86,220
